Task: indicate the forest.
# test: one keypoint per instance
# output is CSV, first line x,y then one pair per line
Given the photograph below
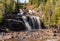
x,y
49,8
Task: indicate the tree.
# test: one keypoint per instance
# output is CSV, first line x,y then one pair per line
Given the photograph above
x,y
7,6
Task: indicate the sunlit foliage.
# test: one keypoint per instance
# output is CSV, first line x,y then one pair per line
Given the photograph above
x,y
7,6
51,11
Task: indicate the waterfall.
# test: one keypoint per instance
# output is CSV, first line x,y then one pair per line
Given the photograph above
x,y
38,21
34,22
26,22
31,22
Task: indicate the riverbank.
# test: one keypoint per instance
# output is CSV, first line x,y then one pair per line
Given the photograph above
x,y
36,35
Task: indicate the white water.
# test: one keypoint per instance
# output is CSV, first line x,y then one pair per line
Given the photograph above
x,y
38,21
31,24
35,20
26,23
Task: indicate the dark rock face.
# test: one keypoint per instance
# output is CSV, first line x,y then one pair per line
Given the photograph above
x,y
15,25
42,25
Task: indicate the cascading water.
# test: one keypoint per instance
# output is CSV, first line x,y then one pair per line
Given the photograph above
x,y
29,22
26,23
35,22
38,21
32,22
